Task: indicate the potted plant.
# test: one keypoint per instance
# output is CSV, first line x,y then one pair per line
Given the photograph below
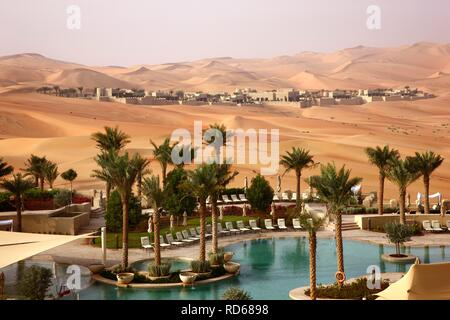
x,y
187,278
125,277
216,259
201,268
161,271
232,267
227,256
398,234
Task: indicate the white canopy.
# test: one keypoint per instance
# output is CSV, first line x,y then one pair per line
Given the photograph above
x,y
438,195
356,189
16,246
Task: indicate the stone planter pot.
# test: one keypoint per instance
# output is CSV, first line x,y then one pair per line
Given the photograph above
x,y
187,278
232,267
125,277
228,256
404,259
96,268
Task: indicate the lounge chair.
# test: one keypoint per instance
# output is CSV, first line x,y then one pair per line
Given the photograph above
x,y
193,234
235,198
296,224
145,243
229,226
285,196
294,196
243,198
186,235
163,243
170,240
253,225
197,232
276,198
427,226
448,225
268,224
226,199
240,225
436,226
209,229
180,238
221,231
282,224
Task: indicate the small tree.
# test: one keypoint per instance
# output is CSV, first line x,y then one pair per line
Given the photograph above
x,y
260,194
70,175
398,234
35,282
114,214
236,294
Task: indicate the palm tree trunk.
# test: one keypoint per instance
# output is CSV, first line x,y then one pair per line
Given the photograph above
x,y
339,243
426,183
202,256
381,195
298,176
36,181
125,208
215,245
19,213
164,175
312,264
157,247
41,179
139,186
108,191
402,206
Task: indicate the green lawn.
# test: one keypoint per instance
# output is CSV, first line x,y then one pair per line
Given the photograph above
x,y
134,238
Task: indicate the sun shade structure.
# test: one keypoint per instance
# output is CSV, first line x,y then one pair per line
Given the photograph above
x,y
422,282
16,246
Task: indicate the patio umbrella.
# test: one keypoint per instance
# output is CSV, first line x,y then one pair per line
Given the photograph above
x,y
244,210
150,224
279,184
245,184
171,222
221,213
185,219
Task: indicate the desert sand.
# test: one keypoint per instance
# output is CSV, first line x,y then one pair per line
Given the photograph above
x,y
60,128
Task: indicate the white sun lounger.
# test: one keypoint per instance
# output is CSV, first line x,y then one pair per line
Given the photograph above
x,y
436,226
294,196
296,224
197,233
226,199
235,198
253,225
145,243
180,238
221,231
170,240
427,226
448,225
282,224
275,197
241,226
268,224
163,243
186,235
285,196
243,198
229,226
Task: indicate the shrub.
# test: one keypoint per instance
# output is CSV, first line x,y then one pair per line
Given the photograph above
x,y
216,258
35,282
260,194
354,210
236,294
113,216
354,290
371,210
37,194
198,266
159,271
398,234
63,198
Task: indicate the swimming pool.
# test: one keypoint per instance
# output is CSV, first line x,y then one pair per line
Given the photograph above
x,y
270,268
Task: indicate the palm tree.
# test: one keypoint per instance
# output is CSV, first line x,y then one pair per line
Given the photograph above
x,y
70,175
334,187
222,132
81,90
50,173
155,196
312,224
163,154
402,173
142,165
18,186
112,140
380,158
426,163
34,166
122,172
201,182
5,169
297,160
223,176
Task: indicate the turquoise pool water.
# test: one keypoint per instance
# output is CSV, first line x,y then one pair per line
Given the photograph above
x,y
270,268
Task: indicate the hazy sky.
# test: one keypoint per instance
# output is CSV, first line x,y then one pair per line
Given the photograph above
x,y
127,32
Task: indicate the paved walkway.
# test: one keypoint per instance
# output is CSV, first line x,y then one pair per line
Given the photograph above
x,y
79,252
